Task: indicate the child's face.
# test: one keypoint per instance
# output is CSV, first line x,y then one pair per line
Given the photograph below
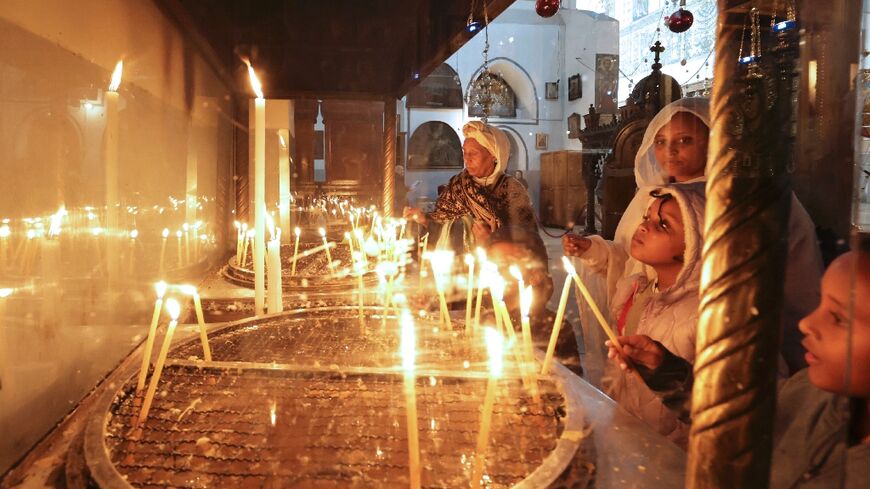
x,y
660,239
681,147
826,329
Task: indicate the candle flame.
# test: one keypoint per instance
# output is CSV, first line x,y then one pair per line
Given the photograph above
x,y
469,259
495,347
569,267
481,254
55,222
237,224
178,234
297,231
255,82
134,234
5,231
322,232
6,292
515,272
273,415
270,224
94,231
408,341
116,76
173,308
165,232
496,286
526,297
160,289
188,289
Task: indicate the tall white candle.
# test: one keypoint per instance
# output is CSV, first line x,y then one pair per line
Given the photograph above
x,y
560,314
495,346
160,289
200,319
326,245
284,178
297,232
481,283
174,310
275,293
259,194
409,352
161,269
526,298
110,153
469,260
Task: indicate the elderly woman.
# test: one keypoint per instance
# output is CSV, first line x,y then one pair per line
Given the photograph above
x,y
674,149
484,193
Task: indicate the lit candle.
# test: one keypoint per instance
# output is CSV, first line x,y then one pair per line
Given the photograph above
x,y
442,262
560,314
481,257
275,303
326,246
259,193
595,311
495,347
518,276
163,251
200,319
297,232
110,155
526,298
349,239
174,310
469,260
160,289
408,353
249,238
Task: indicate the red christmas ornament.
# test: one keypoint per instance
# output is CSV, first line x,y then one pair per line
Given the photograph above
x,y
680,21
547,8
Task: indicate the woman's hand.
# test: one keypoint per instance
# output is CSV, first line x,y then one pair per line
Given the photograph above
x,y
414,214
481,231
575,245
639,349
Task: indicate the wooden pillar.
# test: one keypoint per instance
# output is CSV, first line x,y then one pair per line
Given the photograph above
x,y
748,202
389,154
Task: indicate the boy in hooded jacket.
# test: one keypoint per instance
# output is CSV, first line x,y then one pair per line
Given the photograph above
x,y
665,305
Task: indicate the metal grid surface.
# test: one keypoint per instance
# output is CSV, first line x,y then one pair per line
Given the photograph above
x,y
213,427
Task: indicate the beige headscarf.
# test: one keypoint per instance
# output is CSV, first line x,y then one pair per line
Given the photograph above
x,y
495,141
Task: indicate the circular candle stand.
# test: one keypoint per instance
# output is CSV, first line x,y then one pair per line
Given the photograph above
x,y
309,398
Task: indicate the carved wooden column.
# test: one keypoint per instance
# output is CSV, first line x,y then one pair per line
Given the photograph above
x,y
389,155
748,202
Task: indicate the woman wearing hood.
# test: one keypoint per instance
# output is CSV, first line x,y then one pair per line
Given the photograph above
x,y
674,149
483,192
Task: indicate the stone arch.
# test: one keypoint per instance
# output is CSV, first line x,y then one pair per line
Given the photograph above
x,y
434,145
440,90
520,82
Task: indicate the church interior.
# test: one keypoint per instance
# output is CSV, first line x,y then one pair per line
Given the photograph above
x,y
244,243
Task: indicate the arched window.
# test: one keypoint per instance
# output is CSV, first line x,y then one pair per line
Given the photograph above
x,y
434,145
489,87
440,90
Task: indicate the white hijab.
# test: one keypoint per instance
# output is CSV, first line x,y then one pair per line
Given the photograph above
x,y
495,141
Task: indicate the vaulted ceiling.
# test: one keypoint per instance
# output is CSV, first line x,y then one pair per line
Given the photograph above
x,y
359,49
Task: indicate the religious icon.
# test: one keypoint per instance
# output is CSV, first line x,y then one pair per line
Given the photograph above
x,y
551,90
542,140
575,87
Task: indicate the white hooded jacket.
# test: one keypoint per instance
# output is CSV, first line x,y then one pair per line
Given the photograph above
x,y
670,317
804,263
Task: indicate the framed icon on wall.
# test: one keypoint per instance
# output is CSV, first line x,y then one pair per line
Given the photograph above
x,y
551,90
575,87
542,140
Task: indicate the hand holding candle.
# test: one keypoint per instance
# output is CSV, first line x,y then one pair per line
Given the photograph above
x,y
174,310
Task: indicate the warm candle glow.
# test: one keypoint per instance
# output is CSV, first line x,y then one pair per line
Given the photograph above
x,y
526,301
255,82
322,232
495,347
165,232
134,234
297,232
160,289
515,273
173,308
5,231
116,77
408,342
55,222
569,267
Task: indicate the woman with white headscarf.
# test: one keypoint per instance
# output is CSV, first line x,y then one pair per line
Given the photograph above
x,y
483,191
674,149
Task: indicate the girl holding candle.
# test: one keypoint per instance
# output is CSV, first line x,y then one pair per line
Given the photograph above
x,y
665,308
